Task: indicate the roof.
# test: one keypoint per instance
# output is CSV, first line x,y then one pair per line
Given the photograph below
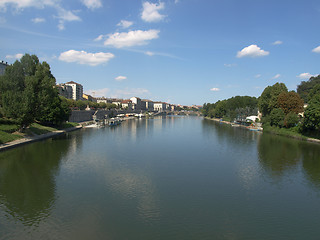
x,y
72,82
126,101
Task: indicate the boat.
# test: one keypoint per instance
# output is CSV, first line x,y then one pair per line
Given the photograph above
x,y
114,121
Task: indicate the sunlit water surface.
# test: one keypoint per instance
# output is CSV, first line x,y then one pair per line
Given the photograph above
x,y
163,178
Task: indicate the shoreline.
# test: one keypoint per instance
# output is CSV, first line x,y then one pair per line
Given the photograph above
x,y
31,139
301,138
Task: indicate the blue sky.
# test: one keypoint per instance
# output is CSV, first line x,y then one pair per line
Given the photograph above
x,y
179,51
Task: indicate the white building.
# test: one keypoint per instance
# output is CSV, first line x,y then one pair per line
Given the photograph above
x,y
77,90
126,104
136,103
159,106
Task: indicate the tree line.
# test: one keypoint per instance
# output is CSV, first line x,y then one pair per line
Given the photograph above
x,y
279,107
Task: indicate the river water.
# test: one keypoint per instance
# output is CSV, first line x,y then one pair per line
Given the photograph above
x,y
163,178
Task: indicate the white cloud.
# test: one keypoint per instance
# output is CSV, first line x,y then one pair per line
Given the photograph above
x,y
305,75
38,20
130,92
125,24
316,50
257,76
149,53
230,64
92,4
16,56
132,38
83,57
276,76
98,92
277,42
20,4
99,38
120,78
252,51
215,89
65,16
150,12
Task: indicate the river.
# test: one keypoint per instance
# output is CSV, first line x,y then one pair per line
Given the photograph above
x,y
164,178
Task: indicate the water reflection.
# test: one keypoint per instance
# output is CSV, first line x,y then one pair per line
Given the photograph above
x,y
280,155
27,179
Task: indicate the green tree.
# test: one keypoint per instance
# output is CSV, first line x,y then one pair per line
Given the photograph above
x,y
28,93
311,121
315,90
291,120
290,102
277,117
269,98
304,88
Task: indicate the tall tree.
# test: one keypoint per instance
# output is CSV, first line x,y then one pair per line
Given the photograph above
x,y
269,98
28,93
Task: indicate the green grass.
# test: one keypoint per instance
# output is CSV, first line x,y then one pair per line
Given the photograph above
x,y
9,128
68,125
7,137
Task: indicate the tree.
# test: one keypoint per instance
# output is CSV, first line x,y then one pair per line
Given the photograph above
x,y
277,117
269,98
315,90
28,93
311,121
291,120
290,102
304,88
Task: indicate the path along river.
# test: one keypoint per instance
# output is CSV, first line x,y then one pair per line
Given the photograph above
x,y
163,178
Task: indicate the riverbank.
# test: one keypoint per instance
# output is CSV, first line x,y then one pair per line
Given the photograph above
x,y
276,131
35,138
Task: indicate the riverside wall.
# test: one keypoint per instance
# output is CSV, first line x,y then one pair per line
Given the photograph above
x,y
87,115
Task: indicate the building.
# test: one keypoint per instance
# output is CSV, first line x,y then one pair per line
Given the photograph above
x,y
126,104
149,104
65,90
77,90
89,98
137,104
3,66
159,106
117,102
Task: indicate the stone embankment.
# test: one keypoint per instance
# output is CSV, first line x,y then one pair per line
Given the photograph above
x,y
31,139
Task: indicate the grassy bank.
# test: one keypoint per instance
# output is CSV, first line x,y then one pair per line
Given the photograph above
x,y
9,132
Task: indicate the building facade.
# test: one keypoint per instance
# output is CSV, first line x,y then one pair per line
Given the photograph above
x,y
77,90
65,90
159,106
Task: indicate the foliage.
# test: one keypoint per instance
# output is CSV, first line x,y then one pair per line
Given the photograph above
x,y
277,117
315,90
291,120
304,88
290,102
235,107
311,120
28,93
269,98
